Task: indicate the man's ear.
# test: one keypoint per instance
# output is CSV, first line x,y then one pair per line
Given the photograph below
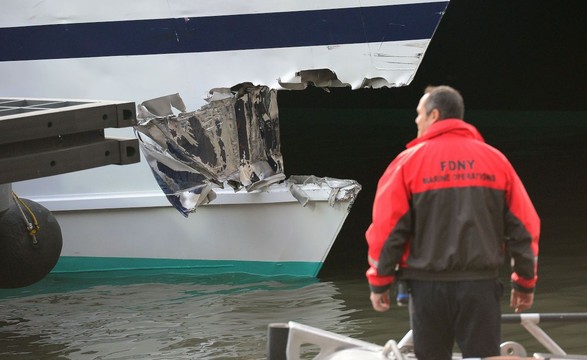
x,y
435,115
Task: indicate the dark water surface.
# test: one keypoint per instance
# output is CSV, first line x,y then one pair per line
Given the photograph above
x,y
153,316
173,316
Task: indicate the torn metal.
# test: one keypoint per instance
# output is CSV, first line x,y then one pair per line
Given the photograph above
x,y
233,140
340,189
326,78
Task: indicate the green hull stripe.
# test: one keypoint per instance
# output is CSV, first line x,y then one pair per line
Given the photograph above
x,y
69,264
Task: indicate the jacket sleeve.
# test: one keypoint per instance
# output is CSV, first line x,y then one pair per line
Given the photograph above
x,y
389,207
522,235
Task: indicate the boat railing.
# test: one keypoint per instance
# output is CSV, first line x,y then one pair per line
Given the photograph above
x,y
285,341
530,322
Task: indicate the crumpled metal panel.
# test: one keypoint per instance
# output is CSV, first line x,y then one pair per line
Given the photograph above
x,y
341,190
233,140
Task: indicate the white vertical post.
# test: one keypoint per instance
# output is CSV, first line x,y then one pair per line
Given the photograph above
x,y
5,193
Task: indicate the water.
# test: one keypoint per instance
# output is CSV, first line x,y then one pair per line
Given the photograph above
x,y
172,317
149,315
144,315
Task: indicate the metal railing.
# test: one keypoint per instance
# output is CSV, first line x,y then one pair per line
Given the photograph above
x,y
530,322
286,340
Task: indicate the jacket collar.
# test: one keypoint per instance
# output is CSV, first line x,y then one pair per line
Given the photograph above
x,y
453,126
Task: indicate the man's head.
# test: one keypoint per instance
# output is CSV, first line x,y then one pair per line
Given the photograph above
x,y
438,103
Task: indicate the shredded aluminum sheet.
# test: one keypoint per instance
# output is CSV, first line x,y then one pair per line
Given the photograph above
x,y
341,190
233,140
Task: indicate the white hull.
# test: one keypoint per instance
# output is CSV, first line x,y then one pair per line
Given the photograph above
x,y
79,73
269,232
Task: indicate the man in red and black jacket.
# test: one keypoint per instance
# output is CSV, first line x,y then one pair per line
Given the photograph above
x,y
446,212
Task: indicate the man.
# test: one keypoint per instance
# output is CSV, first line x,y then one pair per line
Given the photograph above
x,y
446,211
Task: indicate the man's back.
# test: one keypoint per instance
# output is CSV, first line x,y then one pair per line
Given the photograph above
x,y
458,186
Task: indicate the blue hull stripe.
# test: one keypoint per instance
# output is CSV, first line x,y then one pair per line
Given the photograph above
x,y
221,33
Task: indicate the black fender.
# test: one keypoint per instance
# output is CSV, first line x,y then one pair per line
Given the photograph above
x,y
24,258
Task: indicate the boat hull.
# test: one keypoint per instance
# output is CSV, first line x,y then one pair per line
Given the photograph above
x,y
260,232
117,217
139,50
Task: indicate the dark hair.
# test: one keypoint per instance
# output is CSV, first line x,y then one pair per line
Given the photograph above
x,y
447,100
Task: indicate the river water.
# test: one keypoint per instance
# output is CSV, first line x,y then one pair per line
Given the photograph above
x,y
144,315
150,315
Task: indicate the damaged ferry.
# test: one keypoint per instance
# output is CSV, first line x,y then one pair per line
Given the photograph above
x,y
210,194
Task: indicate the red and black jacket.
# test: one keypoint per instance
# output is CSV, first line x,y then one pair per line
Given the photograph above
x,y
448,208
